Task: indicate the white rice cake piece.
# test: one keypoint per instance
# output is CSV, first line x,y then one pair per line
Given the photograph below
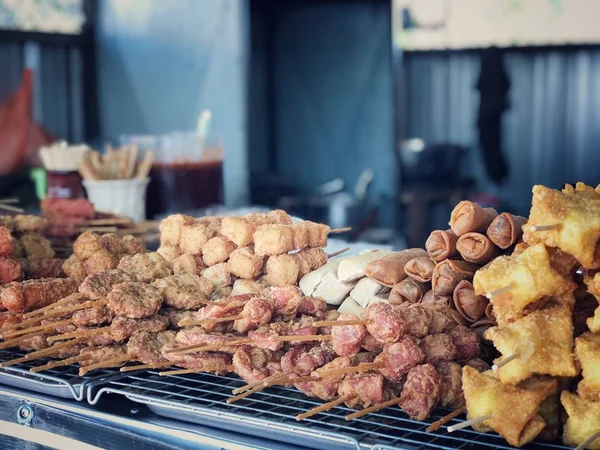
x,y
332,290
365,290
349,306
309,282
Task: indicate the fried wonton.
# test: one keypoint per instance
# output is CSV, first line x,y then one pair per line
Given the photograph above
x,y
514,410
527,277
583,421
543,341
577,218
587,349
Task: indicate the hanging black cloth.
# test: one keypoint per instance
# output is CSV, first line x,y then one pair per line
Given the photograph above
x,y
493,86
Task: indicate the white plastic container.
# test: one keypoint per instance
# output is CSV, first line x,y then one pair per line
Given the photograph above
x,y
121,197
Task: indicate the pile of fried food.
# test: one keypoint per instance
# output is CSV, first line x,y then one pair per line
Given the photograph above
x,y
257,296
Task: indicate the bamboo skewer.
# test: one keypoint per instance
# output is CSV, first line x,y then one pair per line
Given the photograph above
x,y
545,227
147,366
208,347
364,367
62,301
307,338
339,252
502,290
444,420
184,371
11,208
505,361
468,423
340,230
39,353
77,334
588,441
104,364
372,409
16,341
48,326
62,362
247,393
324,407
339,323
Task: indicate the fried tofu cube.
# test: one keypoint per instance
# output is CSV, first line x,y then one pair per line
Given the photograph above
x,y
587,349
169,252
529,276
189,264
578,220
583,421
282,270
244,263
242,286
194,237
543,341
514,410
170,228
317,234
238,230
218,275
273,240
217,250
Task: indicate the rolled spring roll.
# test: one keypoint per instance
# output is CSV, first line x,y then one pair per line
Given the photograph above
x,y
408,290
431,297
470,305
468,216
476,248
441,244
420,269
389,270
505,229
449,273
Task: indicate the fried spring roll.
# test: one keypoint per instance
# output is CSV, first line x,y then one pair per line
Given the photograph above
x,y
449,273
505,229
441,244
389,270
408,290
469,216
430,296
470,305
476,248
420,269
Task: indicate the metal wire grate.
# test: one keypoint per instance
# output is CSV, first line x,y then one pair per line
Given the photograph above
x,y
60,382
200,398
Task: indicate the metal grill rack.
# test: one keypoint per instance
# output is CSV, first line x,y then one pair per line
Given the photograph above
x,y
61,382
200,398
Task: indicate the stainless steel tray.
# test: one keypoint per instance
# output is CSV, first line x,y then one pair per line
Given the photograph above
x,y
63,382
200,398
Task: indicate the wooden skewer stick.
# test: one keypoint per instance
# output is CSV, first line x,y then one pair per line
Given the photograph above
x,y
6,330
48,326
444,420
359,368
16,341
8,201
372,409
38,354
340,230
258,383
11,208
184,371
502,290
147,366
247,393
468,423
218,319
339,323
76,334
62,362
307,338
545,227
505,361
588,441
100,229
46,308
104,364
208,347
64,310
339,252
113,221
324,407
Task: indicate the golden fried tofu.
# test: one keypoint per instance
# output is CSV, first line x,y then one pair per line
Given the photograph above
x,y
36,245
146,267
543,341
218,275
593,285
273,239
100,261
583,421
87,243
238,230
514,410
194,236
217,250
587,349
241,286
578,220
170,228
169,252
244,263
530,277
191,264
282,270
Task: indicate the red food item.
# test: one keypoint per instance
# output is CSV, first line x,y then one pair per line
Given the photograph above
x,y
399,358
6,242
438,348
421,392
466,342
10,270
346,339
385,324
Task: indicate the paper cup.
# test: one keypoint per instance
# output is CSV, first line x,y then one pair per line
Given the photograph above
x,y
121,197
